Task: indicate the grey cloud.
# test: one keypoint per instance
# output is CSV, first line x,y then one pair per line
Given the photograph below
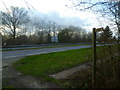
x,y
55,16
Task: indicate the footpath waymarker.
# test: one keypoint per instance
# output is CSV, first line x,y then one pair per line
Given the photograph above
x,y
94,54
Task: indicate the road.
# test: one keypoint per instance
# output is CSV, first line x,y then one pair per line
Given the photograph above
x,y
21,53
13,47
9,57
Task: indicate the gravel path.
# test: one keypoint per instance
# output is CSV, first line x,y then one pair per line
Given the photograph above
x,y
65,73
11,77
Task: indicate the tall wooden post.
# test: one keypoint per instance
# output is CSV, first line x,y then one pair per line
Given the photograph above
x,y
94,57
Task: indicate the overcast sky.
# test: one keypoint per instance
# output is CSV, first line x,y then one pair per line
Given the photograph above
x,y
55,10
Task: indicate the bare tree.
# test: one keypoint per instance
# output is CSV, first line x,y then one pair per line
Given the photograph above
x,y
13,19
107,9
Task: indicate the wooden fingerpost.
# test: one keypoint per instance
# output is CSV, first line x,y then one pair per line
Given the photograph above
x,y
94,57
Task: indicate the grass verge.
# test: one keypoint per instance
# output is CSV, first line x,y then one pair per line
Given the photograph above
x,y
46,64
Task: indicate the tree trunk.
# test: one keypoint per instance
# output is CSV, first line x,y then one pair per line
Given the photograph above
x,y
118,26
14,34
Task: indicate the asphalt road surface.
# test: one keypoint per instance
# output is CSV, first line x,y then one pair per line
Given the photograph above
x,y
21,53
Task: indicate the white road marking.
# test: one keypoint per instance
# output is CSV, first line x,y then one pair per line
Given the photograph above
x,y
10,56
36,53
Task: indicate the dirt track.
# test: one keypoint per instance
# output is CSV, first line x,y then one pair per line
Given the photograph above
x,y
11,77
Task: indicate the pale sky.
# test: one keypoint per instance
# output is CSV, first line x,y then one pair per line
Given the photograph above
x,y
57,10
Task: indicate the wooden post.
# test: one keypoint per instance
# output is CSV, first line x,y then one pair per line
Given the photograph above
x,y
94,57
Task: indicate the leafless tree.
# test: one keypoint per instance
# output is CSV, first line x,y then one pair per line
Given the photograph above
x,y
107,9
14,19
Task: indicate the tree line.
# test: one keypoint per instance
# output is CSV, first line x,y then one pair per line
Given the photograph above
x,y
19,28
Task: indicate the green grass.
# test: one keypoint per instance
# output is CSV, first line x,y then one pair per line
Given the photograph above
x,y
56,46
46,64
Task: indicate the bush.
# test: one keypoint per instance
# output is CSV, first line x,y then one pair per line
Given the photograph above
x,y
107,76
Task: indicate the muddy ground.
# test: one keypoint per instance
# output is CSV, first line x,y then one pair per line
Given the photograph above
x,y
11,77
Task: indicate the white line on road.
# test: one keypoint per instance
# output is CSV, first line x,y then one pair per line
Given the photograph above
x,y
10,56
36,53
